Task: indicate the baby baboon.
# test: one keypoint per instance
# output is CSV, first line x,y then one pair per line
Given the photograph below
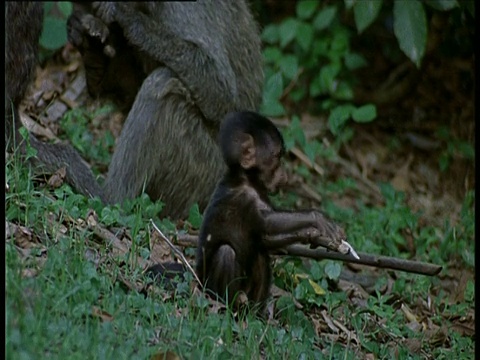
x,y
240,226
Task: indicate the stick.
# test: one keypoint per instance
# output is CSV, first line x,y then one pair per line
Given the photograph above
x,y
178,253
379,261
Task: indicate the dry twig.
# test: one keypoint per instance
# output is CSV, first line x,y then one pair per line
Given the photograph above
x,y
177,252
379,261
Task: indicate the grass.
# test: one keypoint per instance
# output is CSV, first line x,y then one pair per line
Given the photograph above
x,y
69,295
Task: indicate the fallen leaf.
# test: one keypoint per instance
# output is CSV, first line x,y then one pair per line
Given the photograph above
x,y
167,355
329,322
316,288
92,219
352,289
414,345
96,312
23,237
29,272
57,179
159,250
401,180
408,313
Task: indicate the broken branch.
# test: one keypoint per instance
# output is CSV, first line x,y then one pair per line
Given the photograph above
x,y
386,262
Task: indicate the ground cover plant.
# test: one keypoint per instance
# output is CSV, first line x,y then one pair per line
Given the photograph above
x,y
394,167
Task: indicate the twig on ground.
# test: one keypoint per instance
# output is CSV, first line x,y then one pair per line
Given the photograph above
x,y
111,240
380,261
292,83
365,184
310,193
177,252
109,237
304,158
36,128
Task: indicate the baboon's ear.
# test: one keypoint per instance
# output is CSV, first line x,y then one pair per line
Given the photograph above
x,y
248,156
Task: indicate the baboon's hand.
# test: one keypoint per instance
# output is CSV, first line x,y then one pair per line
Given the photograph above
x,y
331,236
82,28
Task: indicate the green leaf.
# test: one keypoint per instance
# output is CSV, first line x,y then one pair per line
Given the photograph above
x,y
272,108
297,94
388,191
349,3
340,43
304,35
312,149
48,6
270,34
320,47
287,31
469,292
333,270
271,105
442,5
328,75
300,292
444,161
316,271
354,61
274,87
339,116
365,12
152,210
194,216
23,133
294,134
31,152
343,91
365,113
466,149
288,140
306,8
65,7
289,66
272,54
109,215
316,87
410,28
297,131
325,17
54,34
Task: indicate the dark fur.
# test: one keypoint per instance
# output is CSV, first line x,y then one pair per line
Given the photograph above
x,y
240,225
195,61
166,274
23,21
231,254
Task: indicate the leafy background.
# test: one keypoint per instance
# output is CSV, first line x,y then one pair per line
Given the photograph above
x,y
375,100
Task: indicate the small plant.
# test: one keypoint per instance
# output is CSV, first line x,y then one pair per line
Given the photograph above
x,y
311,53
75,124
454,148
309,64
409,20
294,135
69,296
